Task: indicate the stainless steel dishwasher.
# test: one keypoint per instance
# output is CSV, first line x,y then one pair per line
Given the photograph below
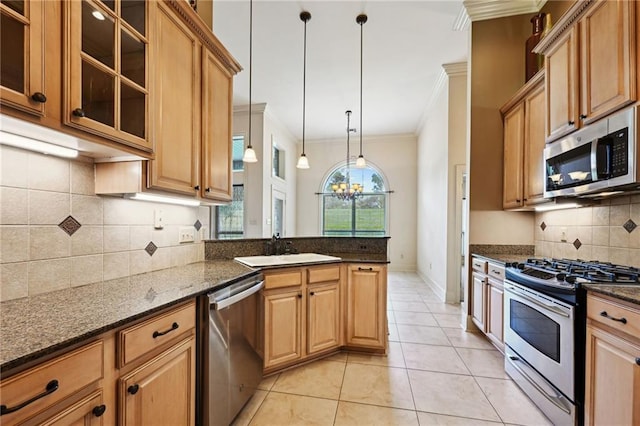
x,y
231,365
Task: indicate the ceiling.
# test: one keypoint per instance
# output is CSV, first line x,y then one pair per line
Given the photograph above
x,y
405,45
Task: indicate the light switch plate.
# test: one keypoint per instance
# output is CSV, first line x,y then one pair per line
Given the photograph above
x,y
187,234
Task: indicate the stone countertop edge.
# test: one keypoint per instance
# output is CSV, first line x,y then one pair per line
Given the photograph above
x,y
630,293
322,262
503,258
37,326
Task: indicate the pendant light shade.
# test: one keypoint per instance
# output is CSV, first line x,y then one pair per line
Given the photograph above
x,y
249,154
303,161
361,20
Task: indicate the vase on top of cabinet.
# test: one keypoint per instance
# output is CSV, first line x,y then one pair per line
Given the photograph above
x,y
21,61
106,54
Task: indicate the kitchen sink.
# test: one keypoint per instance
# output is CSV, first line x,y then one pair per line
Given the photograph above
x,y
286,259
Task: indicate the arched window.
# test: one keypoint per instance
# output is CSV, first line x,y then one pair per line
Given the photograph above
x,y
364,215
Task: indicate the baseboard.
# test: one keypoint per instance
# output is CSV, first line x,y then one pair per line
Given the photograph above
x,y
440,292
401,267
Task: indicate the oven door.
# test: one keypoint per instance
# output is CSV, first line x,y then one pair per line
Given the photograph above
x,y
540,330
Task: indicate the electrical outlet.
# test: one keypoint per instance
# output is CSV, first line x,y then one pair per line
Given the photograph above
x,y
187,234
563,234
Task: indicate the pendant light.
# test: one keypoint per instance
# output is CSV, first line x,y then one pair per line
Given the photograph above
x,y
303,161
347,191
360,162
249,154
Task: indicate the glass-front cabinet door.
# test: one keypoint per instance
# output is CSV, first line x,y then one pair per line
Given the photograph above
x,y
21,55
107,45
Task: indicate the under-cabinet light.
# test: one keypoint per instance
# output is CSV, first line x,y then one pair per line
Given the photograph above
x,y
30,144
560,206
98,15
140,196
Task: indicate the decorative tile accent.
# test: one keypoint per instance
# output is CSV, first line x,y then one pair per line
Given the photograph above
x,y
630,225
151,294
151,248
577,244
197,225
543,226
70,225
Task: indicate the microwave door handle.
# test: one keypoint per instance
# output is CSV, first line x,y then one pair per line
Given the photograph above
x,y
601,153
594,160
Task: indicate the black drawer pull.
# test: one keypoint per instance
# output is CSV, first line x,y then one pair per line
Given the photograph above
x,y
174,326
606,315
207,190
638,361
364,269
52,386
39,97
99,410
133,389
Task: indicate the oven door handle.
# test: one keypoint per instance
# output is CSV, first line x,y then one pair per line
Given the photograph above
x,y
557,400
537,302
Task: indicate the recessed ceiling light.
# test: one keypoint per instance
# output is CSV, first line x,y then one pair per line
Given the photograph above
x,y
98,15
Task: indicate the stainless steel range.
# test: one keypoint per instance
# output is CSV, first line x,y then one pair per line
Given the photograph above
x,y
544,331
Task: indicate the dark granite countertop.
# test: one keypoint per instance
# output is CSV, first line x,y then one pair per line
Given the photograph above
x,y
36,326
630,293
503,258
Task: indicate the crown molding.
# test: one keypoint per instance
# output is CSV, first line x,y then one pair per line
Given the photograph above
x,y
462,21
448,70
455,69
480,10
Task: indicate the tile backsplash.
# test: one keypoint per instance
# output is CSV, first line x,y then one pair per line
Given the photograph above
x,y
609,232
56,233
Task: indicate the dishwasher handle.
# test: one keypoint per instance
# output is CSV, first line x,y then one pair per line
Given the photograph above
x,y
221,304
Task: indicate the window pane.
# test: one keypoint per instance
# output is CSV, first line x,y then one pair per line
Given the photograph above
x,y
132,115
12,54
238,152
370,214
98,94
230,218
337,216
132,11
98,34
133,57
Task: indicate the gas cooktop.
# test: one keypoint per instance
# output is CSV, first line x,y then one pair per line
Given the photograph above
x,y
568,274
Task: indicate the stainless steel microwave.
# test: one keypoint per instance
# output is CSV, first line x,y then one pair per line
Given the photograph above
x,y
599,159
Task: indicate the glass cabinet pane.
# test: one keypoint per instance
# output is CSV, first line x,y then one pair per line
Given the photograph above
x,y
132,60
12,52
98,34
98,94
132,106
111,4
133,12
16,5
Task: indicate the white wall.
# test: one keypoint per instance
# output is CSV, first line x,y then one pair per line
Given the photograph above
x,y
441,146
395,157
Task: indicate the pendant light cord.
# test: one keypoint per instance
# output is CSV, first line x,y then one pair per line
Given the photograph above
x,y
305,16
250,63
361,20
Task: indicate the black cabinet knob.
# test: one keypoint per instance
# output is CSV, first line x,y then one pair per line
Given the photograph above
x,y
78,112
197,187
312,293
99,410
638,361
133,389
582,116
571,123
39,97
299,295
207,190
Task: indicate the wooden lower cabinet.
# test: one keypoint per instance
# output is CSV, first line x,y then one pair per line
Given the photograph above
x,y
323,317
495,312
478,299
161,391
366,306
487,299
89,411
283,326
612,394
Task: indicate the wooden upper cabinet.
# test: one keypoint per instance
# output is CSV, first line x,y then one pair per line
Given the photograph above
x,y
561,76
106,55
22,55
176,65
534,143
217,116
513,148
608,64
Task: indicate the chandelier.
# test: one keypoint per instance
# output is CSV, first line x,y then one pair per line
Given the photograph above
x,y
346,190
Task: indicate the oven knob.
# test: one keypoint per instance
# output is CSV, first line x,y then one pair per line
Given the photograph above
x,y
571,279
561,276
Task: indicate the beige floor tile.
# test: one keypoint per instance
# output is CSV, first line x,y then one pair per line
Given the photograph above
x,y
463,339
268,382
393,358
403,297
250,409
450,394
444,308
483,363
391,317
422,334
430,298
279,409
439,419
409,306
511,403
433,358
320,379
393,333
369,384
339,357
351,414
447,320
415,318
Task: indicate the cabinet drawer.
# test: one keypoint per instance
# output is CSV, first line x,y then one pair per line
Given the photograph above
x,y
496,270
148,335
614,315
51,382
479,265
283,279
318,275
